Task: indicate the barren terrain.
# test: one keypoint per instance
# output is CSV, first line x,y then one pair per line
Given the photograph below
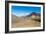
x,y
18,22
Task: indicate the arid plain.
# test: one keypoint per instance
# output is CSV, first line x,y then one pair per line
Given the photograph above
x,y
27,21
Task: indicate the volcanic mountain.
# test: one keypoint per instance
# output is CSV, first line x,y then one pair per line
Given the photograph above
x,y
33,13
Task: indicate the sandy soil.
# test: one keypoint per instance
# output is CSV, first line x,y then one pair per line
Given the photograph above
x,y
25,23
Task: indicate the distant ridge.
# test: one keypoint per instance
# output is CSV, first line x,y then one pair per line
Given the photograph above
x,y
33,13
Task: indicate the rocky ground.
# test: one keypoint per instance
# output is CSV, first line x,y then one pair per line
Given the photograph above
x,y
25,22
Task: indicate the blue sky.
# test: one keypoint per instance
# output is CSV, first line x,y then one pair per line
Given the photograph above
x,y
24,10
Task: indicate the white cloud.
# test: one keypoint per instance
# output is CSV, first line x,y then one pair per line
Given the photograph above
x,y
21,14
